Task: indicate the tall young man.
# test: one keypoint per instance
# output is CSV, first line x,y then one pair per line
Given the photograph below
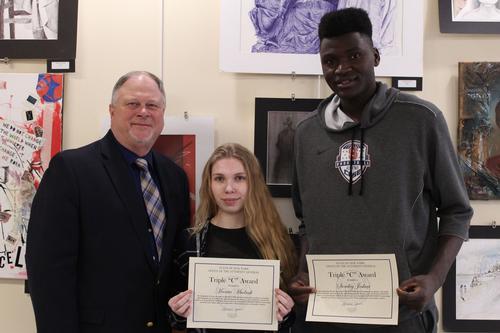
x,y
374,171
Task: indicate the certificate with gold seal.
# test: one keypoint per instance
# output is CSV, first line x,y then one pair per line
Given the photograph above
x,y
356,289
233,293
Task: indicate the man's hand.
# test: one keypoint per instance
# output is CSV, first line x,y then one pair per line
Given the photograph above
x,y
417,291
299,288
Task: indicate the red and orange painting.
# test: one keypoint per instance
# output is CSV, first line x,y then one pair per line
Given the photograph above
x,y
182,150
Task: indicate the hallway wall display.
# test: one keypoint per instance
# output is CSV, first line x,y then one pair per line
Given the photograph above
x,y
30,134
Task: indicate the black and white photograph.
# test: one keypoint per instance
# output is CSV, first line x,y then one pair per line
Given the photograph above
x,y
280,131
472,290
476,11
38,29
469,16
275,122
29,19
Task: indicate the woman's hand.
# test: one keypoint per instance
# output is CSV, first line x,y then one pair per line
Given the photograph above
x,y
181,303
284,304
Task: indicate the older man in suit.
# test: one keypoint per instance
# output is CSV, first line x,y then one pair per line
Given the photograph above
x,y
104,222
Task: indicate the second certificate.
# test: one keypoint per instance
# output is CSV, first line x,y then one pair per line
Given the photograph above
x,y
233,293
358,289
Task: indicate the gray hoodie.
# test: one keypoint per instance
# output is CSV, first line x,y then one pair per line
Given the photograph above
x,y
403,177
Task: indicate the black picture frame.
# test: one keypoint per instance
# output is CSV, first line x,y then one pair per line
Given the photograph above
x,y
447,25
451,295
64,47
272,117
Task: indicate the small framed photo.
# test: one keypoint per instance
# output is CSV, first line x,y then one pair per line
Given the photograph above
x,y
38,29
471,291
275,123
469,16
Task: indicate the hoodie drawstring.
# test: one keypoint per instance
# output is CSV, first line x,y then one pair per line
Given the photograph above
x,y
361,160
349,192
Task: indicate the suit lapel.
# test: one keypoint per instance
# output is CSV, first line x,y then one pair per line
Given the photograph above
x,y
118,171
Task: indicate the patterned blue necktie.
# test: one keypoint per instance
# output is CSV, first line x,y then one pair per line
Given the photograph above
x,y
152,200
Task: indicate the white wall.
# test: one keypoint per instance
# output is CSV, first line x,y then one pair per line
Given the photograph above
x,y
116,36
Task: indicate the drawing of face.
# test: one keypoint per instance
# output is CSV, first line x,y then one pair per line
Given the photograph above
x,y
229,185
137,114
348,63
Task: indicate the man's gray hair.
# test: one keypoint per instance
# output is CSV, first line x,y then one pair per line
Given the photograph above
x,y
121,81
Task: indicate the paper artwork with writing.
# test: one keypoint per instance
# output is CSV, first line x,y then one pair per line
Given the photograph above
x,y
30,134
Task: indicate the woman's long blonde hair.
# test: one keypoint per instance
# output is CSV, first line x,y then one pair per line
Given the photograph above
x,y
262,221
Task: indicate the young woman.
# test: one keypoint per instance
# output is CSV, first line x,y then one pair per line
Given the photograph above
x,y
236,218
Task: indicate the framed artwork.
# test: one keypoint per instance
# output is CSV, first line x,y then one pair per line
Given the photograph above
x,y
479,128
281,37
469,16
471,290
30,134
275,123
38,29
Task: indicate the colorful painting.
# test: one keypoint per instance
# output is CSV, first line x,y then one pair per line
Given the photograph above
x,y
30,134
479,128
182,150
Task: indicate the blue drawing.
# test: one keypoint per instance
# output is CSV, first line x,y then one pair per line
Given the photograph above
x,y
288,26
291,26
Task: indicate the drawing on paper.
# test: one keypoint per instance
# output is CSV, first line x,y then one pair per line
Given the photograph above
x,y
478,280
476,10
291,26
29,19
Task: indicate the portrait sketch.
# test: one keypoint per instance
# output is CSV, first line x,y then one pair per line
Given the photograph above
x,y
29,19
281,36
291,26
475,10
281,130
479,128
478,280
